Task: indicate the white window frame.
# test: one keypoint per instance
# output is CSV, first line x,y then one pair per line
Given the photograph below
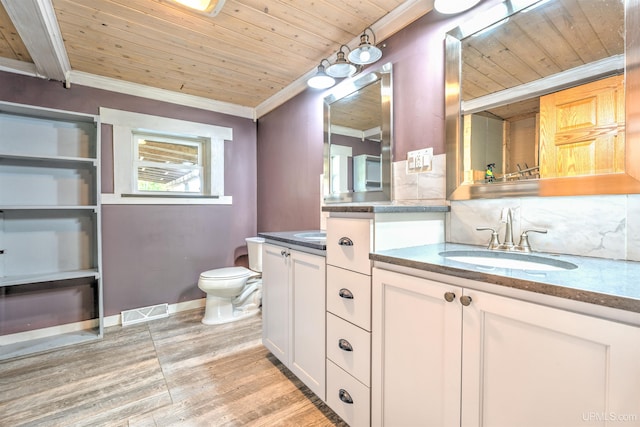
x,y
125,123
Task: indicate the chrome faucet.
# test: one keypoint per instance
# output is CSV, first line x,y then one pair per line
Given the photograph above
x,y
524,245
508,245
507,218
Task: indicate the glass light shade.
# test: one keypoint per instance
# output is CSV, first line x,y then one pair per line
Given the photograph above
x,y
366,53
450,7
321,80
341,68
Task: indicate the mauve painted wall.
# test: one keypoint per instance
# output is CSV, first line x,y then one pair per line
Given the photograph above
x,y
290,162
151,254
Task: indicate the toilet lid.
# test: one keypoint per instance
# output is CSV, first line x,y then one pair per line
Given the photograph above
x,y
227,273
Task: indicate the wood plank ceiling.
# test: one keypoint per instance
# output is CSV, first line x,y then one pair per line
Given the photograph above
x,y
248,53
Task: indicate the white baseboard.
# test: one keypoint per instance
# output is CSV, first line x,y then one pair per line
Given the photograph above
x,y
108,321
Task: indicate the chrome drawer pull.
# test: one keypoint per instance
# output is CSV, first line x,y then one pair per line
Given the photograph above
x,y
345,345
345,396
345,293
345,241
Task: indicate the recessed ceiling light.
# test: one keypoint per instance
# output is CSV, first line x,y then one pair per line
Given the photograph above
x,y
208,7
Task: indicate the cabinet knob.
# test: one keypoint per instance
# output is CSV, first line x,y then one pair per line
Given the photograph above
x,y
345,396
345,241
345,293
449,296
345,345
284,253
465,300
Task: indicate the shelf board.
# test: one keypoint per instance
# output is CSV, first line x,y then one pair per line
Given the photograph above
x,y
56,159
47,207
46,113
48,343
24,279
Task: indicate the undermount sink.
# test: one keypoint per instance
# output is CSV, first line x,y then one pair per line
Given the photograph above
x,y
509,260
315,235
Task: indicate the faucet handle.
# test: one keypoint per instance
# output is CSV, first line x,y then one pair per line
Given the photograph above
x,y
495,241
524,245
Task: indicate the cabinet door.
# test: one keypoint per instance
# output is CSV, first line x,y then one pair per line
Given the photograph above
x,y
530,365
275,301
416,335
307,359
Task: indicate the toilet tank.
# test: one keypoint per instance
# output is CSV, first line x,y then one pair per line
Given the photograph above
x,y
254,247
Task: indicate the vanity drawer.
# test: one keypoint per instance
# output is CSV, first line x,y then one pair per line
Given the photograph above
x,y
348,397
349,347
349,296
349,241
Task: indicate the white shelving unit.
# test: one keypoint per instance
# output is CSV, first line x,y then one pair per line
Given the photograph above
x,y
49,213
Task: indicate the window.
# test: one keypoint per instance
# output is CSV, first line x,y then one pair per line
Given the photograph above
x,y
166,164
157,160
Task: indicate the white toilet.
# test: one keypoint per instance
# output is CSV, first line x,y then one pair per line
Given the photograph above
x,y
234,293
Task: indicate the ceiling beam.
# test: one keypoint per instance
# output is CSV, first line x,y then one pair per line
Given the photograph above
x,y
36,23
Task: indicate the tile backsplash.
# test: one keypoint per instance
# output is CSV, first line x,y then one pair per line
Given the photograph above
x,y
408,187
596,226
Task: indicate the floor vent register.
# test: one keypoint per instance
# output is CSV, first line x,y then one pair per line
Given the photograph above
x,y
144,314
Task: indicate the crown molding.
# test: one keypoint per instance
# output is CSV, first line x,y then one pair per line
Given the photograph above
x,y
19,67
135,89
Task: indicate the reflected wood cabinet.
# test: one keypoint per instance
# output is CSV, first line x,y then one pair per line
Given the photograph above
x,y
449,356
582,130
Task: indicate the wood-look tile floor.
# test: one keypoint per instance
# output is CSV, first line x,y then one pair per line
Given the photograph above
x,y
167,372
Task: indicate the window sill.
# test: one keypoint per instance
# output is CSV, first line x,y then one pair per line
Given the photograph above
x,y
163,199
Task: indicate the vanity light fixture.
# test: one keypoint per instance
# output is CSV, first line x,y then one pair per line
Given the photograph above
x,y
321,80
341,68
365,53
208,7
450,7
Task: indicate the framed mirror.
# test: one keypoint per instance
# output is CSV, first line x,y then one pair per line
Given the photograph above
x,y
358,139
541,98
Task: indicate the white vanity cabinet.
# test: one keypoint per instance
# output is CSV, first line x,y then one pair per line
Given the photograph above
x,y
293,312
449,356
49,220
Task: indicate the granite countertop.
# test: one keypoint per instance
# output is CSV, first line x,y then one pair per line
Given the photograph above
x,y
599,281
387,208
292,238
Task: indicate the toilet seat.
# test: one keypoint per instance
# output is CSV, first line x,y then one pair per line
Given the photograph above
x,y
227,273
